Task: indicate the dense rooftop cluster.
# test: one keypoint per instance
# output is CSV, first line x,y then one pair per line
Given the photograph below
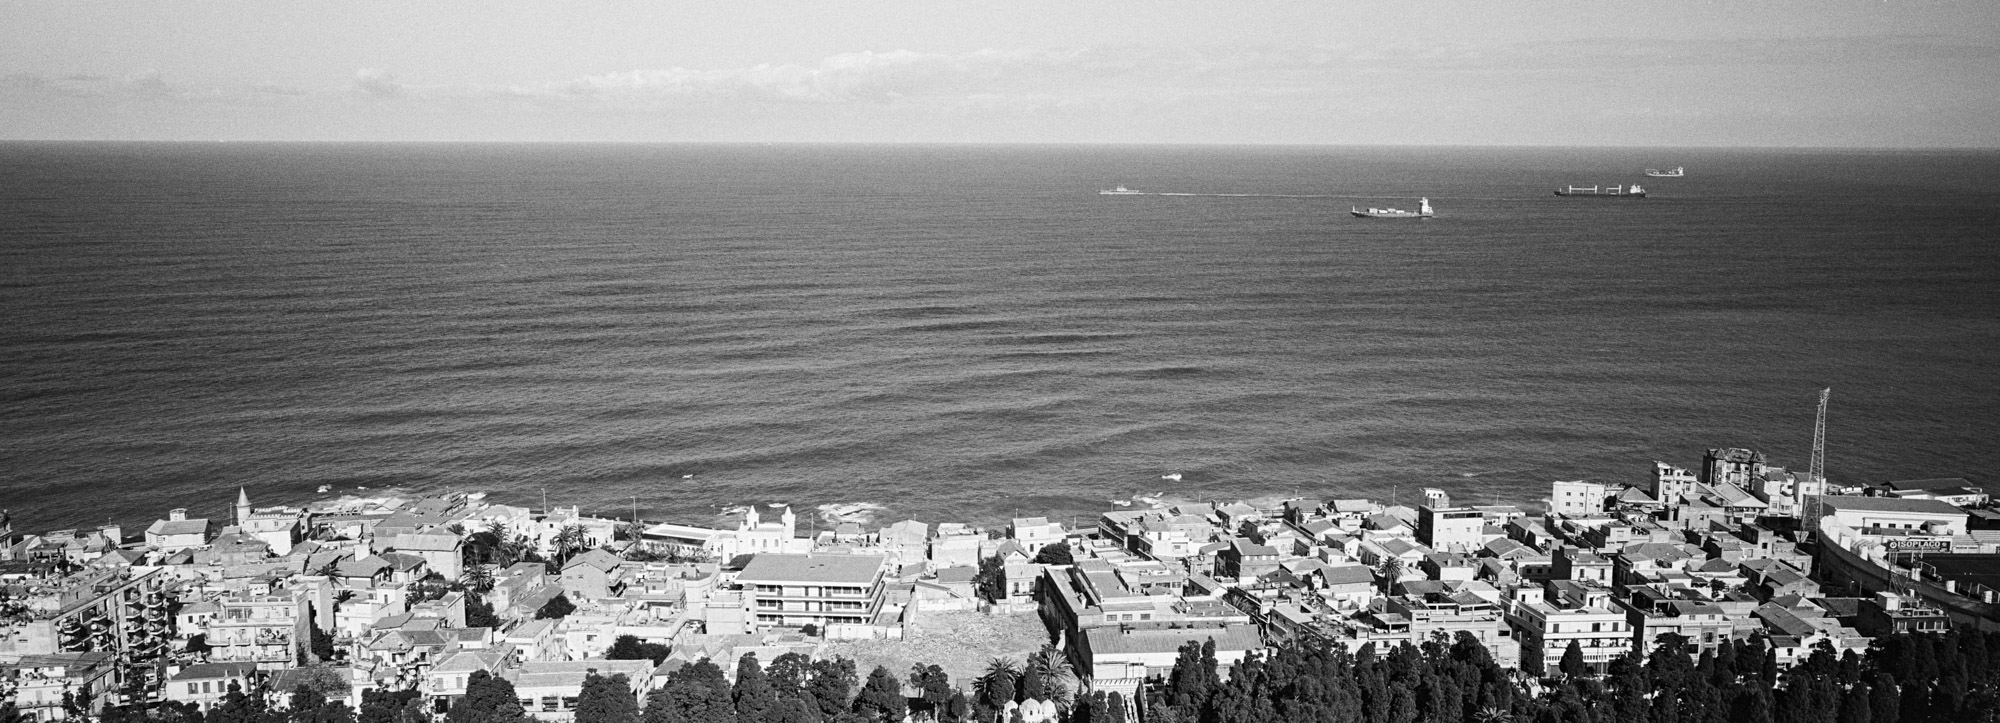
x,y
452,606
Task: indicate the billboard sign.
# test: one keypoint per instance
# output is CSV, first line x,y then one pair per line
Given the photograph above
x,y
1917,544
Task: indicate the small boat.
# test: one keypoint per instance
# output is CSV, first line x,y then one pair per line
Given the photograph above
x,y
1121,191
1423,211
1677,172
1605,191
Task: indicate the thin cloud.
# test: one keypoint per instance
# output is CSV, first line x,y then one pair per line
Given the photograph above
x,y
863,76
149,84
377,83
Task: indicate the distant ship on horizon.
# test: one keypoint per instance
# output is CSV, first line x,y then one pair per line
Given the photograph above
x,y
1423,211
1675,172
1633,191
1121,191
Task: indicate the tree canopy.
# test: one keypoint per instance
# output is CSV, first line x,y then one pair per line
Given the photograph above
x,y
1055,553
487,699
628,647
606,700
556,608
881,697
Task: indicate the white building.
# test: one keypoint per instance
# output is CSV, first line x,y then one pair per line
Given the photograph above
x,y
1451,529
1545,631
1671,483
177,532
1577,499
1889,513
1034,533
823,590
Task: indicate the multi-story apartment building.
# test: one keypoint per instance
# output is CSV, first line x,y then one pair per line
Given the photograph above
x,y
39,684
1671,483
268,630
1451,529
1732,466
93,610
1545,631
1415,618
1653,613
823,590
1577,499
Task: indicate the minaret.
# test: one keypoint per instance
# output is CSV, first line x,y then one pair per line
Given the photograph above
x,y
242,506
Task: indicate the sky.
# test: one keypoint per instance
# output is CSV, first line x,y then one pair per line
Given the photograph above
x,y
1845,73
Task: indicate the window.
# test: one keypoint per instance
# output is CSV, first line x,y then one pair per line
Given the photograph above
x,y
550,703
194,688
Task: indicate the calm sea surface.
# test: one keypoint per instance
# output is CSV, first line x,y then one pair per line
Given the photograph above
x,y
961,333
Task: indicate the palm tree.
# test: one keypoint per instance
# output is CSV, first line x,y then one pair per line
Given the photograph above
x,y
491,543
1056,676
476,578
1490,714
1391,570
570,540
984,686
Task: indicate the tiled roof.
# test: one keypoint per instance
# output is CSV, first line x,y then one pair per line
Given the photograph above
x,y
194,526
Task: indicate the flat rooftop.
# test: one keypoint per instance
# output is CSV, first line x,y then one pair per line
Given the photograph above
x,y
1967,570
782,568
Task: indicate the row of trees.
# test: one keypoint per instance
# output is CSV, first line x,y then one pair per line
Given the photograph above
x,y
1045,676
501,547
1920,678
793,689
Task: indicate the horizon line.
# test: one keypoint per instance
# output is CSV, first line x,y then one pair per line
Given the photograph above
x,y
1173,144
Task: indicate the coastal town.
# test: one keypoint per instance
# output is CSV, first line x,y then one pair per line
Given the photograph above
x,y
429,600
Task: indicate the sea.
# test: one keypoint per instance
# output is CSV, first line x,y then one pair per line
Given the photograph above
x,y
966,333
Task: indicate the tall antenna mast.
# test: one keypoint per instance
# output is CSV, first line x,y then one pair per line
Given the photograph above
x,y
1816,470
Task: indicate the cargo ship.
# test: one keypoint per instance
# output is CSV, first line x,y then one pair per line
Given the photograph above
x,y
1423,211
1605,191
1676,172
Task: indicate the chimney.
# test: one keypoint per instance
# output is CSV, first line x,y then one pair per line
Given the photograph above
x,y
1951,586
177,514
